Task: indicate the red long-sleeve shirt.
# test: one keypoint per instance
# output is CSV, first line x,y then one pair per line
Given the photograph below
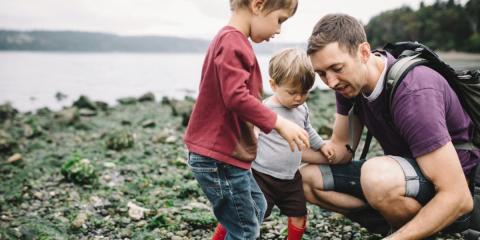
x,y
229,102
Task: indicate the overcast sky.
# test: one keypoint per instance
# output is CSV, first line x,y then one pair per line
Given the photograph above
x,y
185,18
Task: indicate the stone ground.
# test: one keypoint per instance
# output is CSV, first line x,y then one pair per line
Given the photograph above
x,y
93,171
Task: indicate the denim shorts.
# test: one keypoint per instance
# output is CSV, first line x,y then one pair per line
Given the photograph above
x,y
237,201
346,179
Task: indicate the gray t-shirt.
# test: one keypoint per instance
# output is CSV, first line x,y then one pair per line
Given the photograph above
x,y
274,156
426,112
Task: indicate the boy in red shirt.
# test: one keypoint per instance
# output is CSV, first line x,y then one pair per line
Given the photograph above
x,y
220,136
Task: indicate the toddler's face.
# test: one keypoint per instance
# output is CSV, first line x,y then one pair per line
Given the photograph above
x,y
289,95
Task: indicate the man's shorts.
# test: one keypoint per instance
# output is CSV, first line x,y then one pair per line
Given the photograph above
x,y
346,179
287,195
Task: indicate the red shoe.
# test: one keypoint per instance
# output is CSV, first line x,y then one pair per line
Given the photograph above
x,y
219,233
294,232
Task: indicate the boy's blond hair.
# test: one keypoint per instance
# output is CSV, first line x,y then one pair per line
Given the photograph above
x,y
292,66
268,6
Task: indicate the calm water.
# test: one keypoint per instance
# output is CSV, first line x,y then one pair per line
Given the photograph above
x,y
30,80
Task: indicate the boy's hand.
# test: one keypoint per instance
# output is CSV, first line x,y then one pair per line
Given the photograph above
x,y
329,152
294,134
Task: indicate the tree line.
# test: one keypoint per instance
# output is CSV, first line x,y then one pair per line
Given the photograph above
x,y
443,25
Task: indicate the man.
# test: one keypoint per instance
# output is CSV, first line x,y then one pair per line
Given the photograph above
x,y
419,187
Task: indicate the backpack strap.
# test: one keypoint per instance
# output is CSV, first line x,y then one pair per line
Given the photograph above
x,y
366,146
397,72
351,130
395,75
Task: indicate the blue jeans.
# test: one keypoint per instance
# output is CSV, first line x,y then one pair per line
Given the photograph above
x,y
237,201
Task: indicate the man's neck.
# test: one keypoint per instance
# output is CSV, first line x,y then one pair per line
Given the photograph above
x,y
375,67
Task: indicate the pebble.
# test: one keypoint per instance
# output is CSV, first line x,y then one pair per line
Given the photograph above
x,y
80,220
14,158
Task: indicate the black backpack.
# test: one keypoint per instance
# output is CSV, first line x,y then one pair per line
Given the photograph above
x,y
465,83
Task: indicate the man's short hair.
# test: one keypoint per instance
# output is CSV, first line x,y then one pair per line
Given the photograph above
x,y
268,6
292,66
347,31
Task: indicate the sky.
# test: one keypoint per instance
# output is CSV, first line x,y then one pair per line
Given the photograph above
x,y
183,18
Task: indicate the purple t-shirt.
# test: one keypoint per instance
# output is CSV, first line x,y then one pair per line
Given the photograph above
x,y
426,113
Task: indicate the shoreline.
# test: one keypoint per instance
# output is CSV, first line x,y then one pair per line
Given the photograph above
x,y
459,56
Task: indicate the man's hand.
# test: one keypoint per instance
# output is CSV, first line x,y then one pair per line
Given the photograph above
x,y
294,134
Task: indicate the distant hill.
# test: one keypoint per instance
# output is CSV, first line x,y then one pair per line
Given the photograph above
x,y
74,41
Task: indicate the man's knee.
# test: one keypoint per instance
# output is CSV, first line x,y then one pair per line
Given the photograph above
x,y
311,177
382,180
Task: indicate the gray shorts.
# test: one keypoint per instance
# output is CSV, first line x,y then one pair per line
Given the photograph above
x,y
346,179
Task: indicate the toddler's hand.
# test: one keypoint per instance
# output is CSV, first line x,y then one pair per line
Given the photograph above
x,y
329,152
294,134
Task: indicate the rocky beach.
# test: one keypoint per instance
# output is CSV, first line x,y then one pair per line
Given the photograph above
x,y
94,171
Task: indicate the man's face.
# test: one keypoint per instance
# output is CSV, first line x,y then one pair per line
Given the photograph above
x,y
339,70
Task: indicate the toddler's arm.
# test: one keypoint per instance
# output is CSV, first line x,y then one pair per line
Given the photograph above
x,y
312,156
325,155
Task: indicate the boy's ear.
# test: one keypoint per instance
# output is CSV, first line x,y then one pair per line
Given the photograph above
x,y
257,6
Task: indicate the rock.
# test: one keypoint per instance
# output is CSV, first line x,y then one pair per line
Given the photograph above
x,y
182,233
127,101
119,140
136,212
38,195
6,142
7,112
96,202
79,220
325,130
79,170
28,131
347,228
109,165
196,205
171,139
87,112
68,115
84,102
101,105
126,122
160,137
14,158
147,97
180,161
148,123
60,96
182,109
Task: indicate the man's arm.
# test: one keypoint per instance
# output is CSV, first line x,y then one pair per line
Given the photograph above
x,y
452,200
339,138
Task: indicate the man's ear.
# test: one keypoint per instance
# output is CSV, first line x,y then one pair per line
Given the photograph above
x,y
364,51
257,6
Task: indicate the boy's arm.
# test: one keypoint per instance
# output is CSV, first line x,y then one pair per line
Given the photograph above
x,y
233,69
295,135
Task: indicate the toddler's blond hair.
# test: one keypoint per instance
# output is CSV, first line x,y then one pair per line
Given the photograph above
x,y
292,66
